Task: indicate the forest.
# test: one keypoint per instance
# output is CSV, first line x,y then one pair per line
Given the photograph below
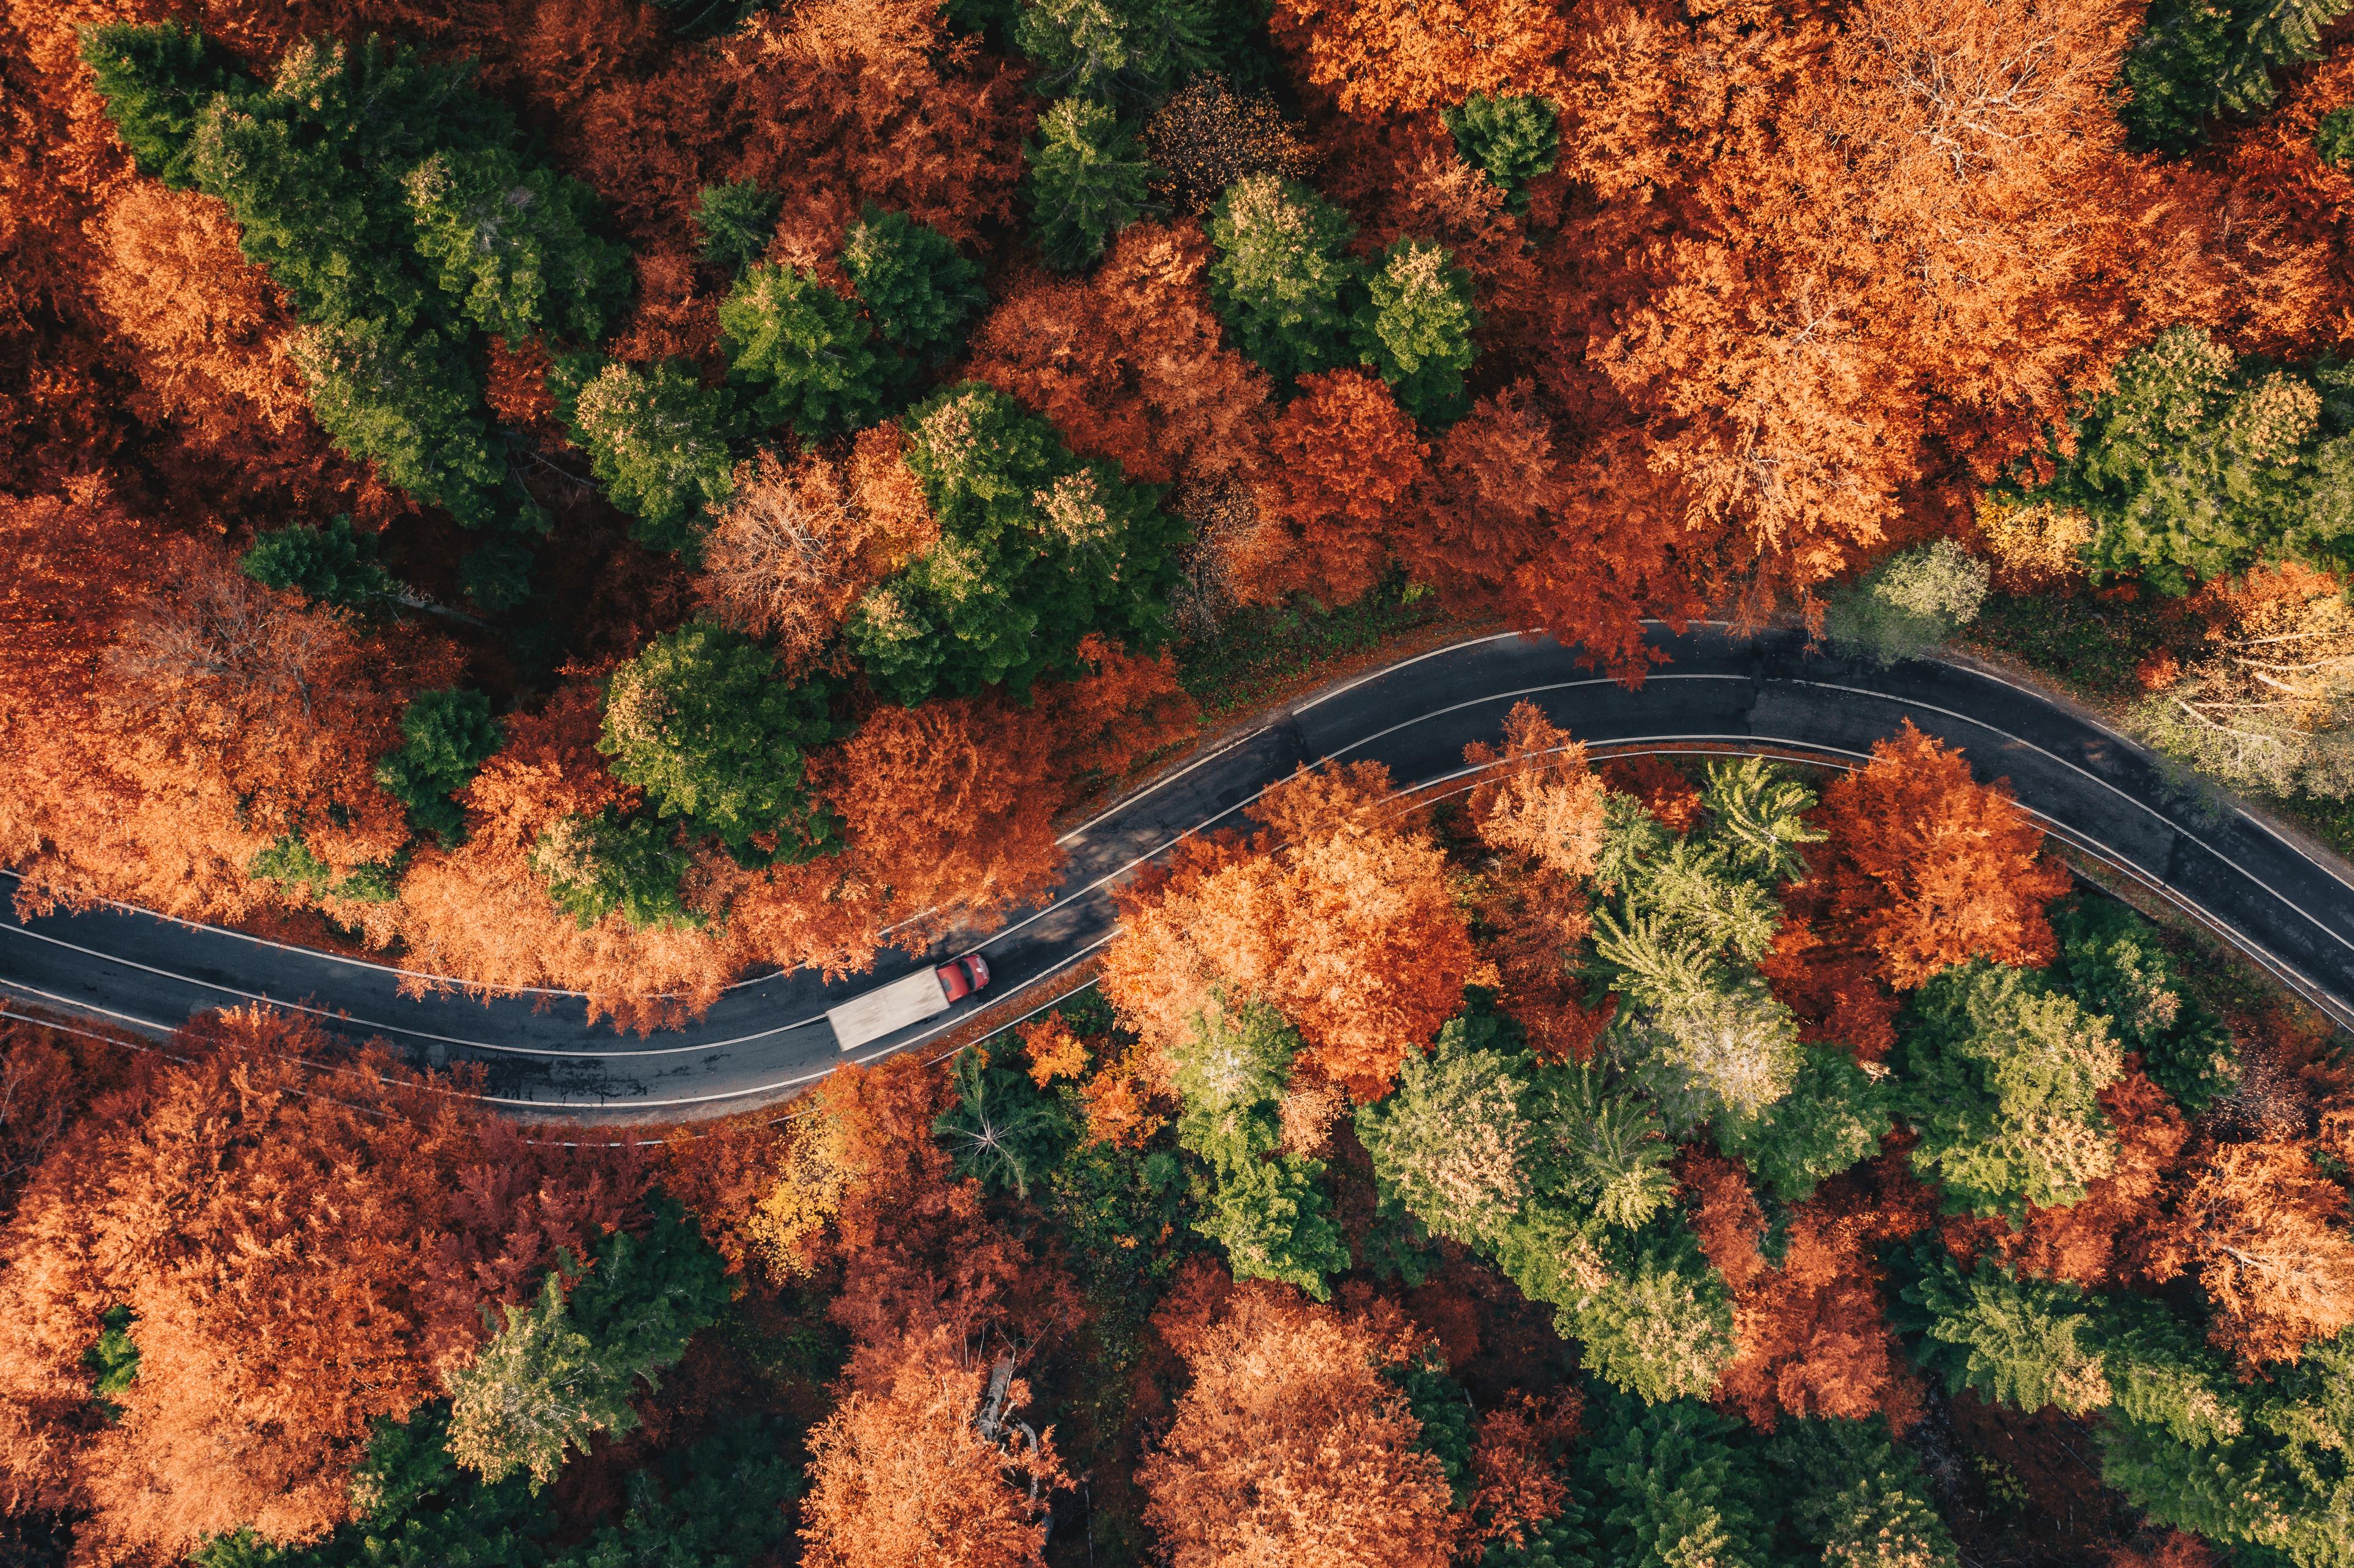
x,y
1624,1166
612,494
621,495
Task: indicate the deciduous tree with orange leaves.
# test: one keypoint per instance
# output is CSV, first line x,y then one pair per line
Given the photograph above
x,y
1289,1446
901,1474
1341,456
1927,867
2266,1235
1338,915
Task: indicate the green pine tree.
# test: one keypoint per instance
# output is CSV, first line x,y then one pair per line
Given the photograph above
x,y
737,222
1415,328
808,353
1510,139
332,564
914,285
701,721
657,440
1283,280
515,244
446,735
593,866
1087,181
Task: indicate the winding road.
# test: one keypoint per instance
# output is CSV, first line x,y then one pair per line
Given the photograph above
x,y
2288,908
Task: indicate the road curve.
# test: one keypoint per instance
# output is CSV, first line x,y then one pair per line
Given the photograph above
x,y
2290,910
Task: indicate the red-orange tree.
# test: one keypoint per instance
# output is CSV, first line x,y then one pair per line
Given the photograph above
x,y
901,1478
1290,1447
1339,913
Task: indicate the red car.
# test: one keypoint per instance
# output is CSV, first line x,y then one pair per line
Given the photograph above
x,y
966,975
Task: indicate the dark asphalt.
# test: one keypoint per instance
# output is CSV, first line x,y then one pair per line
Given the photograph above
x,y
768,1036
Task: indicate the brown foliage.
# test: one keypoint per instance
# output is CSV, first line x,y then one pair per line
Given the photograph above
x,y
1289,1448
795,547
1129,364
1540,800
1339,458
1812,1338
2102,1240
899,1477
1927,868
2265,1234
1338,915
298,1250
1389,56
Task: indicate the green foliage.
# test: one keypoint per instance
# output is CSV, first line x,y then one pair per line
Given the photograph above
x,y
701,722
1658,1321
1002,1130
514,244
335,565
1229,1072
1908,604
1283,280
1711,1051
1451,1142
2333,138
1273,1219
608,864
2196,59
2279,1490
496,573
1677,1489
1854,1496
1445,1415
400,210
1415,328
1106,48
113,1359
564,1367
1834,1116
2115,965
1755,819
808,350
2000,1074
2023,1343
657,441
2194,466
1087,180
1512,139
446,735
289,862
155,81
737,222
1601,1149
2163,1376
408,401
919,291
1036,550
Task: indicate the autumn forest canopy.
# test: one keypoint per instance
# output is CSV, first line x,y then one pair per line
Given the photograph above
x,y
1630,1166
615,494
606,494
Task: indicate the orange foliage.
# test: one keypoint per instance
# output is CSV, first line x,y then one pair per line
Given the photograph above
x,y
2266,1236
794,549
1540,800
225,1193
1126,708
1129,364
1928,868
1514,1485
1380,57
900,1477
1340,456
1340,915
2102,1241
1812,1338
1054,1051
1290,1448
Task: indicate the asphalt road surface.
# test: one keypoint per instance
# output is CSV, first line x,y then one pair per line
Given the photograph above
x,y
2291,910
